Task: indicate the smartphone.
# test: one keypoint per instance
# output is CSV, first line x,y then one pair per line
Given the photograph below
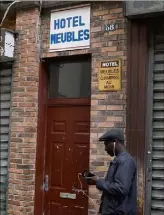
x,y
88,178
87,175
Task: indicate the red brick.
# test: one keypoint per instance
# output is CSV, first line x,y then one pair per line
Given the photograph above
x,y
96,29
110,17
100,13
116,10
25,88
109,49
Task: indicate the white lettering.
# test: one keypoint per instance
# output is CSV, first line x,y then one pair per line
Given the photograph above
x,y
110,64
110,27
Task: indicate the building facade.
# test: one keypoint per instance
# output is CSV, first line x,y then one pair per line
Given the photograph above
x,y
59,95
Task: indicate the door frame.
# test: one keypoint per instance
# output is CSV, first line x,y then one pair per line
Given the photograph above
x,y
41,139
137,102
149,117
43,102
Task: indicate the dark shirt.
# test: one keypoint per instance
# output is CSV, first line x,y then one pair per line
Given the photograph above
x,y
119,187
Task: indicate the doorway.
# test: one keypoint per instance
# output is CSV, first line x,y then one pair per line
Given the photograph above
x,y
67,136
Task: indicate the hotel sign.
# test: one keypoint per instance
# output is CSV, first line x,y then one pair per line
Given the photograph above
x,y
70,29
109,78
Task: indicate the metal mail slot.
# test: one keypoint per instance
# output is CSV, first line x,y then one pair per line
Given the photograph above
x,y
68,195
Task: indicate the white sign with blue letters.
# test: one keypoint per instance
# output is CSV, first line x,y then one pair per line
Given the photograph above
x,y
70,29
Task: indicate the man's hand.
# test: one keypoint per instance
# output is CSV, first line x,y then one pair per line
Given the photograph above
x,y
95,178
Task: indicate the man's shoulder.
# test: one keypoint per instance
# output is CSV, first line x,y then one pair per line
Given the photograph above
x,y
127,158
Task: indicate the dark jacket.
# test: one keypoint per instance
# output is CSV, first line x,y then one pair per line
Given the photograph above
x,y
119,187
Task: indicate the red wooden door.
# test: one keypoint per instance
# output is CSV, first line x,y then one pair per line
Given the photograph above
x,y
67,154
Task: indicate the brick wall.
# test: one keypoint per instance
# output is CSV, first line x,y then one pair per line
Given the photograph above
x,y
107,109
24,116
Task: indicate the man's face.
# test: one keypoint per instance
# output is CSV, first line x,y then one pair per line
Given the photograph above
x,y
109,146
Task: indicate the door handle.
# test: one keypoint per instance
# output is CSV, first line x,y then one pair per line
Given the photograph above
x,y
46,183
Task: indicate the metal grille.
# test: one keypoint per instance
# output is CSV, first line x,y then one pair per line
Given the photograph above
x,y
157,203
5,96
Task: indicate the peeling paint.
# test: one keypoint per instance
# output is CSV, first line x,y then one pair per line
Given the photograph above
x,y
140,187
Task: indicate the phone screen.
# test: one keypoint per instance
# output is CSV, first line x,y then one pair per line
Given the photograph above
x,y
87,175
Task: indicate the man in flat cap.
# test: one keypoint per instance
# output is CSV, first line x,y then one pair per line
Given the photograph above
x,y
119,185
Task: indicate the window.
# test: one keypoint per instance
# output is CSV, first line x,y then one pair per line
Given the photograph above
x,y
70,79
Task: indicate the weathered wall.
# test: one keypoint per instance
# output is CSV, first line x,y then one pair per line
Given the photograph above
x,y
24,116
140,8
107,109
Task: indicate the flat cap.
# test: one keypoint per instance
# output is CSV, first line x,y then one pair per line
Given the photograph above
x,y
113,134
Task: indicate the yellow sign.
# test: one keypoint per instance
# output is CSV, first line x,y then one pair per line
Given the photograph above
x,y
110,75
